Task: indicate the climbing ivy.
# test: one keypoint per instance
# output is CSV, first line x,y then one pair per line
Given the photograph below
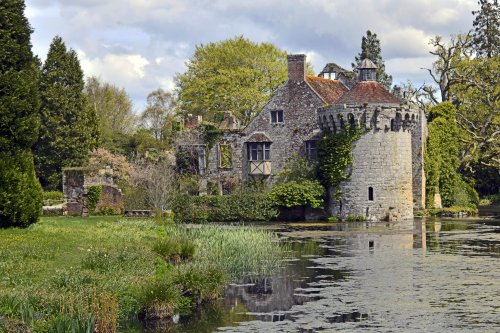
x,y
225,156
93,196
335,157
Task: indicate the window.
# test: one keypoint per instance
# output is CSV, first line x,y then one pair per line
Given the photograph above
x,y
311,151
276,116
370,193
259,151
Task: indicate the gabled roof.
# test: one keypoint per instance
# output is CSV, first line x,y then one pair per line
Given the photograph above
x,y
368,92
333,67
329,90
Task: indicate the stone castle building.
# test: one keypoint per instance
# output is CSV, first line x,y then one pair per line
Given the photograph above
x,y
387,179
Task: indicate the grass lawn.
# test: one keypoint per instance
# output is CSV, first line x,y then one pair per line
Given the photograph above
x,y
77,274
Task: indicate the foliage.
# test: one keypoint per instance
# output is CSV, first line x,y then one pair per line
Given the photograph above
x,y
355,218
478,93
174,249
441,159
114,111
92,197
75,271
298,193
486,29
335,157
69,127
51,198
20,191
225,208
236,250
121,168
370,49
234,75
19,97
453,210
226,157
333,219
158,180
297,169
158,116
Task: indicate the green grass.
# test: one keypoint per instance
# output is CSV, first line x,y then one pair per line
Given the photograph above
x,y
96,270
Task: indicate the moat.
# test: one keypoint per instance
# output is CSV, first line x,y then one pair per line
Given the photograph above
x,y
431,275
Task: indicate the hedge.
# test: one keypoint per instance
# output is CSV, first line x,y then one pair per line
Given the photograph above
x,y
20,191
223,208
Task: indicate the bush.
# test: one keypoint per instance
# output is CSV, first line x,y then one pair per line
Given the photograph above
x,y
20,191
298,193
53,195
355,218
225,208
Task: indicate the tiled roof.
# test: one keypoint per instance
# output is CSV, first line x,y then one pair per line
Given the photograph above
x,y
329,90
368,92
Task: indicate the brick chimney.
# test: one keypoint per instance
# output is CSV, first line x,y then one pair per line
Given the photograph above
x,y
296,67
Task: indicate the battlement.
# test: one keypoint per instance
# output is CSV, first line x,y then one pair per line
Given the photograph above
x,y
380,117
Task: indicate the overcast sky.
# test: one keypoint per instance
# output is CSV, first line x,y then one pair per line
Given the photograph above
x,y
140,44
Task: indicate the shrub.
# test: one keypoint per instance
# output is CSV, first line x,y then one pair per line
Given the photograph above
x,y
298,193
225,208
201,284
20,192
53,195
355,218
333,219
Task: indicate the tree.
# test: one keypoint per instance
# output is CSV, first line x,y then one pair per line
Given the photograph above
x,y
486,29
234,75
114,110
443,71
20,191
69,129
370,49
159,114
442,159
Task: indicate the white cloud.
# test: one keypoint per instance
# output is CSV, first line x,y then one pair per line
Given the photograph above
x,y
141,44
114,67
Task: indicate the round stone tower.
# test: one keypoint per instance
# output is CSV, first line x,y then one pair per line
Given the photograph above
x,y
381,183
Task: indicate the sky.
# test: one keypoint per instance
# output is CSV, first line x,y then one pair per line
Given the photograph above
x,y
140,45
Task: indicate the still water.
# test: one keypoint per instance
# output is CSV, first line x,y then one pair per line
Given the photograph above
x,y
421,276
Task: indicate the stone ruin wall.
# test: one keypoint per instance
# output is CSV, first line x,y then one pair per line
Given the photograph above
x,y
76,181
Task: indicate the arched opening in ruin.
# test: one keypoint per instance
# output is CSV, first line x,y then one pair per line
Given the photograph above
x,y
332,124
370,193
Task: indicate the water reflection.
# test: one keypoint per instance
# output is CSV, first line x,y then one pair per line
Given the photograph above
x,y
429,275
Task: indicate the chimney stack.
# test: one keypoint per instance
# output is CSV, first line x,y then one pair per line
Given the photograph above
x,y
296,67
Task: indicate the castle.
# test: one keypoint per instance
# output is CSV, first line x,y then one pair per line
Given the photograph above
x,y
387,177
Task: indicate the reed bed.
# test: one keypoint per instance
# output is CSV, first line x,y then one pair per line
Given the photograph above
x,y
81,275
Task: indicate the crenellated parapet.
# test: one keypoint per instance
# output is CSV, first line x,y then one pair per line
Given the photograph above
x,y
377,117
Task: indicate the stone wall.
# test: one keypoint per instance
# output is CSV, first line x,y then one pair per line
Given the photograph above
x,y
299,104
419,136
383,162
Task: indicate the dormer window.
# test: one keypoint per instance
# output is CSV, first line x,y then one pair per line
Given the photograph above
x,y
277,116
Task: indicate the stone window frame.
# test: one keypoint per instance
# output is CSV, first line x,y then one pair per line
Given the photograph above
x,y
371,194
277,117
259,151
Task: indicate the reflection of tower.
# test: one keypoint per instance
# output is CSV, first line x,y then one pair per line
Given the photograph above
x,y
419,235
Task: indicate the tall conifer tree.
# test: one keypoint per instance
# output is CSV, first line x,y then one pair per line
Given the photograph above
x,y
370,49
69,127
20,191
